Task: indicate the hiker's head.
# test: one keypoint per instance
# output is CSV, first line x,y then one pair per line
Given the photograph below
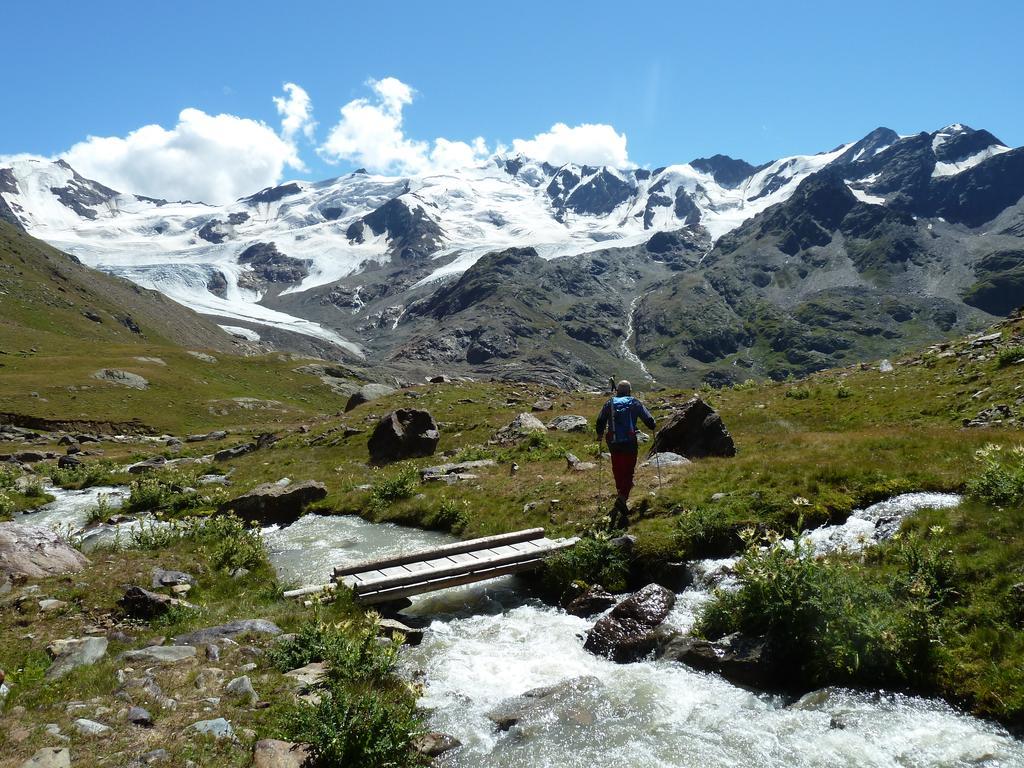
x,y
623,388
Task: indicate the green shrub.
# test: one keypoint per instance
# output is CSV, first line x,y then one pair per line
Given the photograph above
x,y
593,560
226,539
705,532
100,513
474,453
172,493
798,393
826,622
451,515
1009,356
397,487
366,715
7,506
7,478
34,490
843,392
370,729
84,476
1001,479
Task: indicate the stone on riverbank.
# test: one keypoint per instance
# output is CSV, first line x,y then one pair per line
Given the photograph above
x,y
275,504
35,552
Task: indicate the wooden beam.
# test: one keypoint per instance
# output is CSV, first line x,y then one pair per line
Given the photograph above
x,y
454,569
443,551
384,595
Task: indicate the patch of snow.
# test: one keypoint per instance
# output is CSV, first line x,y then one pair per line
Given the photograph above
x,y
951,169
245,333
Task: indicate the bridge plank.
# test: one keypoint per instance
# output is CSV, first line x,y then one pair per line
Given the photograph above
x,y
442,568
448,549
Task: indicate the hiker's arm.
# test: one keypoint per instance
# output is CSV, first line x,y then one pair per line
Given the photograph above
x,y
645,415
602,421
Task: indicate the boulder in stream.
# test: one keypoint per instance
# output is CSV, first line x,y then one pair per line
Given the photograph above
x,y
627,633
736,657
570,701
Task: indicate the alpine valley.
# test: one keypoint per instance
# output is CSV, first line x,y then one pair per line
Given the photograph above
x,y
710,271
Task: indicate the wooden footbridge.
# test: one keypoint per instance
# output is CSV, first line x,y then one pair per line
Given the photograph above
x,y
451,565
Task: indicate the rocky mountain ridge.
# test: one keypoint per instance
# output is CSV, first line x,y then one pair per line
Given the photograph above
x,y
712,270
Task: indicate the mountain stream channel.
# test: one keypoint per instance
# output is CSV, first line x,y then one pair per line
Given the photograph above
x,y
488,642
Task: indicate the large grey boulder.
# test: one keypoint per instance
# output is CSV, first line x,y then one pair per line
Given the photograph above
x,y
569,423
35,552
571,701
275,504
74,653
627,633
230,630
366,394
406,433
522,425
124,378
694,431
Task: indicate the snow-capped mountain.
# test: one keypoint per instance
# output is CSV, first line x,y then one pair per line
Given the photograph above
x,y
257,260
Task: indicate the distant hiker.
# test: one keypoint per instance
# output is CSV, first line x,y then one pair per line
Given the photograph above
x,y
611,384
617,423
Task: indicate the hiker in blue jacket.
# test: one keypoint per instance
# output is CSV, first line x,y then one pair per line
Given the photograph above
x,y
617,424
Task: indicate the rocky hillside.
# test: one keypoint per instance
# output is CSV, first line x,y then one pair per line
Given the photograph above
x,y
714,270
48,292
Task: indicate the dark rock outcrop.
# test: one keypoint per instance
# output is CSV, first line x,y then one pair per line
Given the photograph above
x,y
139,603
271,503
741,659
627,633
695,431
403,434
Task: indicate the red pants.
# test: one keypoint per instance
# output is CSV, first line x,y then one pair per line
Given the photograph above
x,y
623,467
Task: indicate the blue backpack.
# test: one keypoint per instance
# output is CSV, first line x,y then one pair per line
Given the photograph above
x,y
623,425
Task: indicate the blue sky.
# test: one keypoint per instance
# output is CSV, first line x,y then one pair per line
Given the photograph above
x,y
678,80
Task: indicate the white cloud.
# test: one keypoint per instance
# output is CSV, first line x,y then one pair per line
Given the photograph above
x,y
586,144
370,134
296,110
213,158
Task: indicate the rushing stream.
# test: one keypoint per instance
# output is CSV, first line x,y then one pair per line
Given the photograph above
x,y
486,643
